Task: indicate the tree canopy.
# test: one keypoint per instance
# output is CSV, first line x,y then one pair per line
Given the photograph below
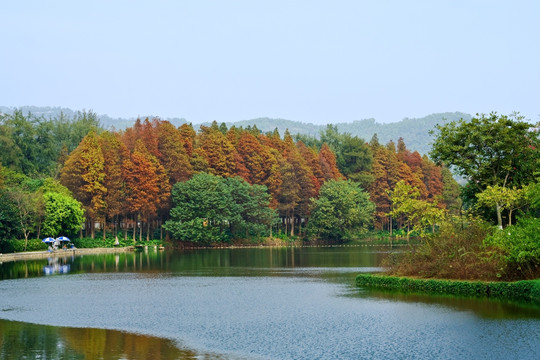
x,y
208,208
493,152
342,209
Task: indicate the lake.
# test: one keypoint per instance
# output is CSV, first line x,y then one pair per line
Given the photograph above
x,y
256,303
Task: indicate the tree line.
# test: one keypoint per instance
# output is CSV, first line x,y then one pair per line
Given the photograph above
x,y
144,179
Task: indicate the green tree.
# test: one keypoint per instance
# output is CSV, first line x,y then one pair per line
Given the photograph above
x,y
353,155
503,198
533,194
342,209
451,192
417,214
208,208
63,215
9,222
26,208
521,248
250,213
201,209
1,176
489,150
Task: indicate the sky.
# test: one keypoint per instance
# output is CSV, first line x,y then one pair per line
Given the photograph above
x,y
309,61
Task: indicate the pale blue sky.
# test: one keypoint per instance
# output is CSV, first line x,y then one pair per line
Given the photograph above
x,y
310,61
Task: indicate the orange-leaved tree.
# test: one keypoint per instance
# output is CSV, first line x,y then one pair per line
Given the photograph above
x,y
83,174
142,185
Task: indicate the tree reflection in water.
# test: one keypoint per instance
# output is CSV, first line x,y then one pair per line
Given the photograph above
x,y
20,340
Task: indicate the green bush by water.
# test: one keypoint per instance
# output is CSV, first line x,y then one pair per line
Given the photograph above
x,y
16,246
12,246
526,290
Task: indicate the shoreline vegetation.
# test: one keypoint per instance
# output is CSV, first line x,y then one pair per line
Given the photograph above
x,y
43,254
35,255
527,291
223,186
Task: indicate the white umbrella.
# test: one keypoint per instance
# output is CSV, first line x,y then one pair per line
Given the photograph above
x,y
62,238
48,240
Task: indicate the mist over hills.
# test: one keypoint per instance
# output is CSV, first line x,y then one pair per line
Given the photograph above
x,y
414,131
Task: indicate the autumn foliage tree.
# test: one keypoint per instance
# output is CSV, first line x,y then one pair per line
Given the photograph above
x,y
218,152
142,187
125,178
114,155
83,174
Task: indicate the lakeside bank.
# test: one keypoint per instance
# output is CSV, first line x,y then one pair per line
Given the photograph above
x,y
527,291
33,255
36,255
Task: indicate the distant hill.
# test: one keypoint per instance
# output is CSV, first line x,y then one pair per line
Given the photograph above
x,y
415,131
106,121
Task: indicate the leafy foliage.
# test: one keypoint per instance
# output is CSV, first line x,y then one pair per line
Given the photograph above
x,y
502,198
342,209
84,175
63,215
208,208
457,251
489,150
33,144
520,245
416,213
9,222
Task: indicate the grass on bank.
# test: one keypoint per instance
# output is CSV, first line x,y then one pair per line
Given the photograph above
x,y
523,291
468,259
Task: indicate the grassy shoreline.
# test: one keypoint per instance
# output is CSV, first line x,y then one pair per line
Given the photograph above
x,y
527,291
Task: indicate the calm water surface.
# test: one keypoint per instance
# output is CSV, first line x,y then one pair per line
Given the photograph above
x,y
263,303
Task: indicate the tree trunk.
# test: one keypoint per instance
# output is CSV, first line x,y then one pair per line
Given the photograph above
x,y
510,217
148,231
125,228
499,216
161,231
104,224
134,228
292,224
92,229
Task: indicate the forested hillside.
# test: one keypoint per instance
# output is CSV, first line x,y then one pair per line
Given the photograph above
x,y
414,131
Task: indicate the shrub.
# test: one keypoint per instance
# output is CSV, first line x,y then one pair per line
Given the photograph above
x,y
520,245
100,243
455,252
11,246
